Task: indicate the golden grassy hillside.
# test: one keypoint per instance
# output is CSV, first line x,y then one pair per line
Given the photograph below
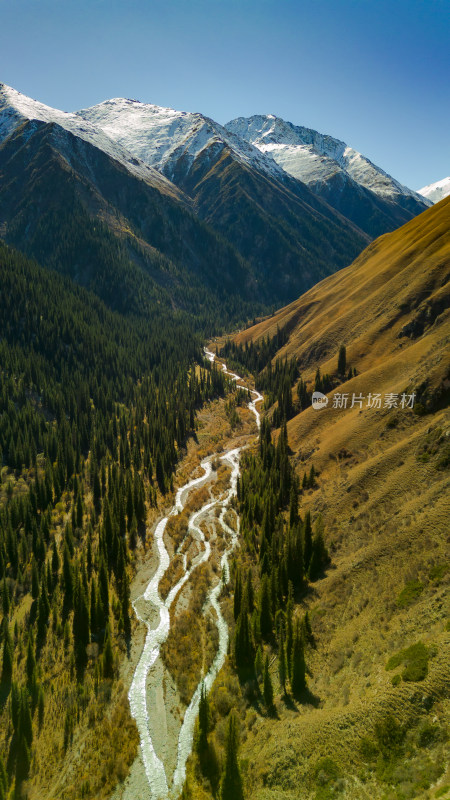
x,y
383,490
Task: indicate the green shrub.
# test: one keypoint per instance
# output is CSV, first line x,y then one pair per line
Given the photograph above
x,y
390,735
415,662
411,591
439,571
429,734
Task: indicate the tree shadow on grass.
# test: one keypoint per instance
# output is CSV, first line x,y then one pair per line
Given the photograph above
x,y
305,698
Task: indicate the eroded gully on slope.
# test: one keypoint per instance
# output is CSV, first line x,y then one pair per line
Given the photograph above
x,y
149,606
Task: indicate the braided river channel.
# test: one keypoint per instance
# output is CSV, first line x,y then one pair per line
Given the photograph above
x,y
150,607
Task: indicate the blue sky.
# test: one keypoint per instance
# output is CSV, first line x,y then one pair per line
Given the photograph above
x,y
373,73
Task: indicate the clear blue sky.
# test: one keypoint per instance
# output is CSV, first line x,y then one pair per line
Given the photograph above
x,y
375,73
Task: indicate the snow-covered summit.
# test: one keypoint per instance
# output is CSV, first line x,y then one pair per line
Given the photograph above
x,y
436,191
16,108
162,136
313,157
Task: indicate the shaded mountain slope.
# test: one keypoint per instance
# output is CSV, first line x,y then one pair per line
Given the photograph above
x,y
290,239
272,219
346,179
76,209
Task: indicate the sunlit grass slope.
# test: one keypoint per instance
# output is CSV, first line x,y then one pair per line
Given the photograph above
x,y
380,675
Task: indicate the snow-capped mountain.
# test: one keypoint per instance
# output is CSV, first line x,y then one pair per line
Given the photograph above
x,y
436,191
314,157
226,214
256,188
15,108
162,137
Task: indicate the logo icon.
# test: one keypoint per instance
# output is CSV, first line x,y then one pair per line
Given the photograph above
x,y
319,400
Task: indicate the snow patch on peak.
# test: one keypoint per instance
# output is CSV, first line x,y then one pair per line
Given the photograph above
x,y
160,136
436,191
16,108
314,157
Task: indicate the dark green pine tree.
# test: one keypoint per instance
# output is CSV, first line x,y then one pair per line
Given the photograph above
x,y
319,555
125,606
80,628
7,661
298,669
307,630
293,504
289,627
31,664
265,610
267,685
282,670
258,663
250,591
231,788
6,603
203,721
104,590
3,773
68,581
108,657
55,561
79,519
237,594
34,580
243,645
307,541
342,360
43,611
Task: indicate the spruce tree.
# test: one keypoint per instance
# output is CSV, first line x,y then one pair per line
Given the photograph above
x,y
267,685
6,604
298,669
282,670
307,630
237,594
258,662
3,774
289,626
125,606
31,664
203,720
34,580
307,540
7,662
108,657
250,591
231,788
243,645
265,611
342,360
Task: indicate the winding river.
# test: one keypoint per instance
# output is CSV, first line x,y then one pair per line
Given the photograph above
x,y
149,606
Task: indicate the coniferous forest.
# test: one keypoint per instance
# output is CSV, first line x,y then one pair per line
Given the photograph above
x,y
94,408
